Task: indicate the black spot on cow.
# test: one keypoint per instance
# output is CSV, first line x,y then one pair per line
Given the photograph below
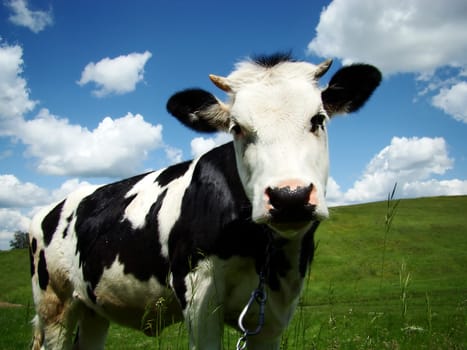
x,y
33,245
32,251
171,173
142,256
217,221
103,233
65,231
50,223
42,271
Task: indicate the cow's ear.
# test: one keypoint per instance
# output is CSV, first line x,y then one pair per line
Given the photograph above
x,y
350,88
199,110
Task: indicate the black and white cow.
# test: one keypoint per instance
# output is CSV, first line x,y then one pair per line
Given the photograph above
x,y
189,241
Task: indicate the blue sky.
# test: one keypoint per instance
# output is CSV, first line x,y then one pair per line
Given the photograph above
x,y
83,88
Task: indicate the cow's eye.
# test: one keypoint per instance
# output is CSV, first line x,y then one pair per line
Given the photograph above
x,y
317,122
236,130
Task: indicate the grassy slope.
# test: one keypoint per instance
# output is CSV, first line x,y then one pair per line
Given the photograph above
x,y
15,329
429,235
351,300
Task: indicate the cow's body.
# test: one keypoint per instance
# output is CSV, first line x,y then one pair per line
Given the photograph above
x,y
186,242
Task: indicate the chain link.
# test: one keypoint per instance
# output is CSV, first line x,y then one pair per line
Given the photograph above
x,y
259,296
241,344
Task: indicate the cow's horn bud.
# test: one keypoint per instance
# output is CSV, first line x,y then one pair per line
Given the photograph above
x,y
322,68
220,82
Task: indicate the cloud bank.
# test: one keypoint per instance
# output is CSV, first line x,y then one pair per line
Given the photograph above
x,y
401,36
397,36
114,148
19,201
412,163
14,94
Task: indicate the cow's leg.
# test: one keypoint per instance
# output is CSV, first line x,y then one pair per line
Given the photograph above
x,y
38,334
92,330
55,322
204,314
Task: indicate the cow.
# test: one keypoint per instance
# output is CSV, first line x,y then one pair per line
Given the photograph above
x,y
193,241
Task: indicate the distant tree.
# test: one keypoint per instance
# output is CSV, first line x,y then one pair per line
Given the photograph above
x,y
20,240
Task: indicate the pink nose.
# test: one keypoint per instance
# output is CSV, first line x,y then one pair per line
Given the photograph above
x,y
291,201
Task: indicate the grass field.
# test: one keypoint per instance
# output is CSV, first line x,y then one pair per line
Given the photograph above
x,y
369,287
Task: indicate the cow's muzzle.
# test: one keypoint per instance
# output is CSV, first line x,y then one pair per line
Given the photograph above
x,y
291,205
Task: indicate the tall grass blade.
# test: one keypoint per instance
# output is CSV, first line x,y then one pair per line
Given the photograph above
x,y
391,210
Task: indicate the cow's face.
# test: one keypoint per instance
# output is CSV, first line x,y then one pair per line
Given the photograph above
x,y
278,125
277,115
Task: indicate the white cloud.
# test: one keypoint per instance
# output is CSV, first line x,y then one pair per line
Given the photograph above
x,y
334,194
11,220
115,75
66,188
412,157
115,148
174,155
401,36
22,16
397,36
433,187
409,162
16,194
19,201
453,101
14,94
405,160
200,145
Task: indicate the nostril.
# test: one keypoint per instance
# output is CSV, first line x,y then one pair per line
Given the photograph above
x,y
287,198
270,195
277,196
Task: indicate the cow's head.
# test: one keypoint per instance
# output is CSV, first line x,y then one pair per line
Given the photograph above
x,y
277,115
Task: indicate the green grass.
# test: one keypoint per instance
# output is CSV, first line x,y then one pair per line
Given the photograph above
x,y
15,289
368,289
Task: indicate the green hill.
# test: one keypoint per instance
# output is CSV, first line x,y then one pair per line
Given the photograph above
x,y
369,287
428,235
406,288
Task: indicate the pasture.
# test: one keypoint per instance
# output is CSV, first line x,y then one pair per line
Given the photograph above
x,y
369,287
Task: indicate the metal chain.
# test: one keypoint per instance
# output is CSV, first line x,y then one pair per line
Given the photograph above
x,y
259,296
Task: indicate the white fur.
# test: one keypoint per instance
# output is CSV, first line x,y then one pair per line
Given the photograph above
x,y
171,209
147,191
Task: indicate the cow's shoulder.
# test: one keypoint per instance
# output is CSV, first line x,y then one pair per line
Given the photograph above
x,y
213,200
